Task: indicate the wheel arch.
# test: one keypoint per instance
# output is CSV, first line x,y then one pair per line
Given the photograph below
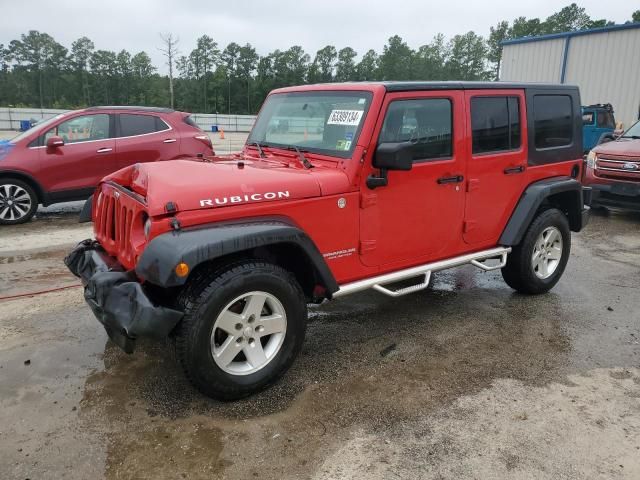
x,y
563,193
215,246
28,179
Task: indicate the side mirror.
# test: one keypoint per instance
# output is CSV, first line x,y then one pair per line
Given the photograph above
x,y
55,142
390,156
394,156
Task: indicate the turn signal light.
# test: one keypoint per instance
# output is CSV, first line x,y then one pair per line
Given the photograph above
x,y
182,269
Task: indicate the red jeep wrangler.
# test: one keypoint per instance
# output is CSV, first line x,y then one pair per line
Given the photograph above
x,y
339,188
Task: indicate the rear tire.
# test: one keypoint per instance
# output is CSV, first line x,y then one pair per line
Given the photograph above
x,y
18,201
243,327
537,263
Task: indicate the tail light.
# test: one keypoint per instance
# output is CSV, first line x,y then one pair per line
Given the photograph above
x,y
204,139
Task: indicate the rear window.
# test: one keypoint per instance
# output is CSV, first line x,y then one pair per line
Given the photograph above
x,y
553,123
495,124
132,125
191,122
605,120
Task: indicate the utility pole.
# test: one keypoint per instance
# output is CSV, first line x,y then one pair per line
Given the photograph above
x,y
170,51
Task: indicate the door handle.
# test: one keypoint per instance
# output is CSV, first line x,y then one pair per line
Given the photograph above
x,y
104,150
170,140
514,170
453,179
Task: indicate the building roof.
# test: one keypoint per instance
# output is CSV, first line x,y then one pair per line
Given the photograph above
x,y
552,36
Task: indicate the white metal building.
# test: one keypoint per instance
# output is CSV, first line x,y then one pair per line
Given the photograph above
x,y
603,62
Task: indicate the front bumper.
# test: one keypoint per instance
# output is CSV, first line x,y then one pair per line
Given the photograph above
x,y
620,194
117,299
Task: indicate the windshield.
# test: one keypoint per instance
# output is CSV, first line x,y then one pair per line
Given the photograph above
x,y
634,131
325,122
37,126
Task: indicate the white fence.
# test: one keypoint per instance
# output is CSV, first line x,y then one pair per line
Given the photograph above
x,y
10,119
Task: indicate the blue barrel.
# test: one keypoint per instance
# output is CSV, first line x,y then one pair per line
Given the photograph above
x,y
214,128
25,125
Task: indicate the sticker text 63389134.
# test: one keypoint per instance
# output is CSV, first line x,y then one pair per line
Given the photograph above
x,y
345,117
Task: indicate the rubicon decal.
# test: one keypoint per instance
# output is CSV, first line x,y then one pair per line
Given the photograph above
x,y
253,197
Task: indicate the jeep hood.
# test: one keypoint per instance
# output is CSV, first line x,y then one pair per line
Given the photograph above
x,y
195,185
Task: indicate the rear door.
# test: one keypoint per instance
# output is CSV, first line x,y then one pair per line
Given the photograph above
x,y
88,153
143,138
497,164
417,216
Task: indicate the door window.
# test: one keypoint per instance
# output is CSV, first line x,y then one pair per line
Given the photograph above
x,y
132,125
427,123
495,124
605,119
553,122
587,118
82,129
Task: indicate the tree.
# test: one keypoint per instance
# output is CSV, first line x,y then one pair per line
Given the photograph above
x,y
466,60
170,51
81,51
395,61
346,65
367,69
206,56
321,71
635,16
142,70
497,35
124,71
429,60
103,68
38,51
246,65
569,19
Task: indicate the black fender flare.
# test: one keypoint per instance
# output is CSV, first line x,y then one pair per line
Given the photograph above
x,y
195,246
569,190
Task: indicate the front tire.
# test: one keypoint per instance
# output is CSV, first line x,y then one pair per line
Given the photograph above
x,y
537,263
18,202
242,329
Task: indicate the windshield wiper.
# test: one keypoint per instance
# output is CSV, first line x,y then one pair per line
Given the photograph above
x,y
634,137
305,162
259,147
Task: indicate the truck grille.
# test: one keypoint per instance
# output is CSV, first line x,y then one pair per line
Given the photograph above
x,y
613,166
113,223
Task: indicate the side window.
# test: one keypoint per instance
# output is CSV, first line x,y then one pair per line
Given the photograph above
x,y
605,119
553,123
495,124
82,129
587,118
426,122
132,125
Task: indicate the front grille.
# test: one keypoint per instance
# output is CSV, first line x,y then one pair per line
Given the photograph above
x,y
115,213
613,166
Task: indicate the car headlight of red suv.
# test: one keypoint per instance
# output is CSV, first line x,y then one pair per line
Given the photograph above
x,y
591,160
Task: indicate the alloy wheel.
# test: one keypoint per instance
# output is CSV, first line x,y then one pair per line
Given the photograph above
x,y
248,333
15,202
547,252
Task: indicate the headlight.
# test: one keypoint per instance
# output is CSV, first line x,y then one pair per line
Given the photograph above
x,y
591,160
147,228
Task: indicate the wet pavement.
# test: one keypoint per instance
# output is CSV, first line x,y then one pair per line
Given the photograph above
x,y
467,380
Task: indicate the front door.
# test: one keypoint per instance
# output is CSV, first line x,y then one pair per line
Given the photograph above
x,y
88,154
417,216
497,164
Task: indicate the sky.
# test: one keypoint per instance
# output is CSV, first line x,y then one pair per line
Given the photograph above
x,y
135,25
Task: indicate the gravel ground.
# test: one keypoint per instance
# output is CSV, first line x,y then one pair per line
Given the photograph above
x,y
467,380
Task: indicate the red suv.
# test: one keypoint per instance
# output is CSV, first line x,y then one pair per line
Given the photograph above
x,y
339,188
613,171
65,157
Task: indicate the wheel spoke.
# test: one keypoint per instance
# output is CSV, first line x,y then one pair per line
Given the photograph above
x,y
254,305
543,267
552,235
228,321
4,212
271,324
254,353
20,209
228,351
5,188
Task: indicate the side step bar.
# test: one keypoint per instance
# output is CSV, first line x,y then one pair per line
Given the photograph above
x,y
476,259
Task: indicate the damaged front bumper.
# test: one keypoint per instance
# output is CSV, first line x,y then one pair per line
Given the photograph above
x,y
117,299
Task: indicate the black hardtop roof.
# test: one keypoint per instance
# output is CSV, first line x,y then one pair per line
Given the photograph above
x,y
139,109
396,86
